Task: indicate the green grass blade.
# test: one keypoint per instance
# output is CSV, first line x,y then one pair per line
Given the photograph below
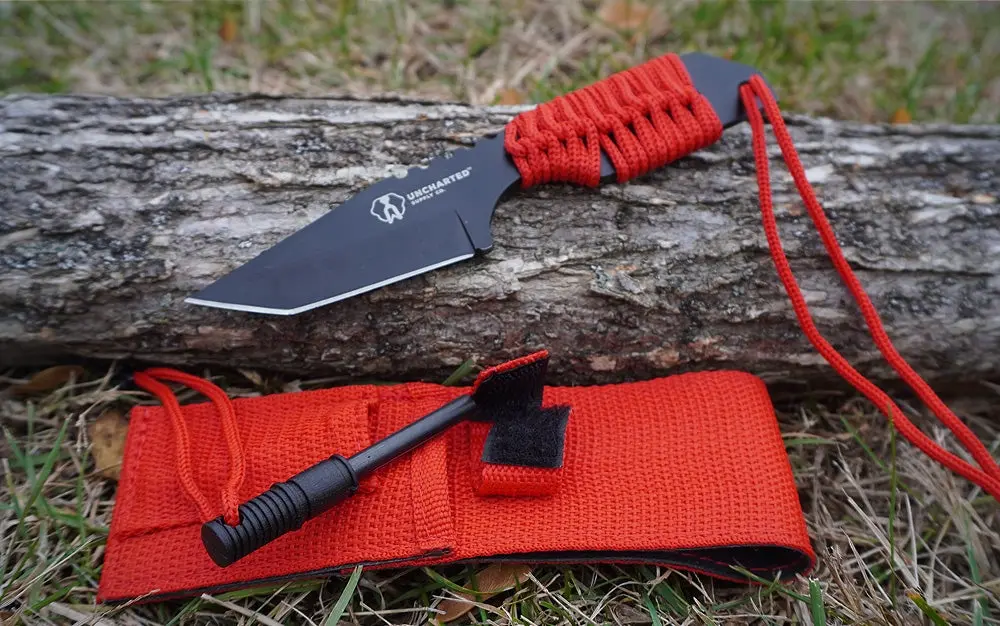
x,y
651,607
43,475
816,608
189,608
345,598
928,610
14,504
675,601
20,459
268,590
771,586
980,607
874,457
461,372
444,582
418,591
59,594
731,604
864,446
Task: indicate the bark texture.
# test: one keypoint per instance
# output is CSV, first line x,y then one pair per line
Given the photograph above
x,y
114,210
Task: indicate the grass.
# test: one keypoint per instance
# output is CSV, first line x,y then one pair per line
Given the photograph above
x,y
855,60
900,540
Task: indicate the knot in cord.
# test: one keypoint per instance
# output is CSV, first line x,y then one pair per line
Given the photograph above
x,y
148,380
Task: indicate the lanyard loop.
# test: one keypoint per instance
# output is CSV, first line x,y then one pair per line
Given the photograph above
x,y
148,380
987,475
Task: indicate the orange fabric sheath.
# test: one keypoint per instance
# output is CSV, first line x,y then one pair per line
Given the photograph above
x,y
688,471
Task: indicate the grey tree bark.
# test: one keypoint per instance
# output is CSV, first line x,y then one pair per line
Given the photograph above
x,y
114,210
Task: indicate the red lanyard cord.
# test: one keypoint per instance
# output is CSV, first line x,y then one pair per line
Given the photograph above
x,y
987,475
237,470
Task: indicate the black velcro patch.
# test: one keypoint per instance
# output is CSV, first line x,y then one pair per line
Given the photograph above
x,y
534,441
523,433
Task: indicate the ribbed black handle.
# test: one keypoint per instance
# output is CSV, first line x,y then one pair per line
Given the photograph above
x,y
282,508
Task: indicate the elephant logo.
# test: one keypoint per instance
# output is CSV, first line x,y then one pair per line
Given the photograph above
x,y
389,207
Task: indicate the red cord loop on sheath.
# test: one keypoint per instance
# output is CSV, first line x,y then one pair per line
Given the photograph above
x,y
643,118
987,475
148,380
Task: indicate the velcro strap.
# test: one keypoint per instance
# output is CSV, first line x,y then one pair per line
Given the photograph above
x,y
522,450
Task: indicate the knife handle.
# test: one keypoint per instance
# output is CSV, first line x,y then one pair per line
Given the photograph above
x,y
629,123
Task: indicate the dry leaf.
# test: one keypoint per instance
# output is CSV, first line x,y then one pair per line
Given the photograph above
x,y
107,443
901,116
49,379
625,14
253,377
227,32
495,579
511,96
626,614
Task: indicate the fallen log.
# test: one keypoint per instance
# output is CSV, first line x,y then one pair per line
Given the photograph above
x,y
112,211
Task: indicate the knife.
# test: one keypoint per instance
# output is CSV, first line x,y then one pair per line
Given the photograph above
x,y
400,227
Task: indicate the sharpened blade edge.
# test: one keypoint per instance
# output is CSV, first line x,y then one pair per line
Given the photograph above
x,y
350,294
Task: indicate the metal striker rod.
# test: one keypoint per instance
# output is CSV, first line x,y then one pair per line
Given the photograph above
x,y
287,505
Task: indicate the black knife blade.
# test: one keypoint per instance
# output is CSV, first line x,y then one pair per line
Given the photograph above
x,y
401,227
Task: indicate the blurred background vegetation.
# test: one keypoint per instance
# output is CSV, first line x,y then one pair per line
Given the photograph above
x,y
870,61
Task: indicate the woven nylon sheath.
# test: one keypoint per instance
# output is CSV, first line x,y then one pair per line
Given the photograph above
x,y
687,471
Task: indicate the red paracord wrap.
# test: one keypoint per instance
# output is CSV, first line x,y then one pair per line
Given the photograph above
x,y
987,475
224,406
643,118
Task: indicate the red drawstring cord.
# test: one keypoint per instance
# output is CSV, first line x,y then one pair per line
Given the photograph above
x,y
237,470
987,475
